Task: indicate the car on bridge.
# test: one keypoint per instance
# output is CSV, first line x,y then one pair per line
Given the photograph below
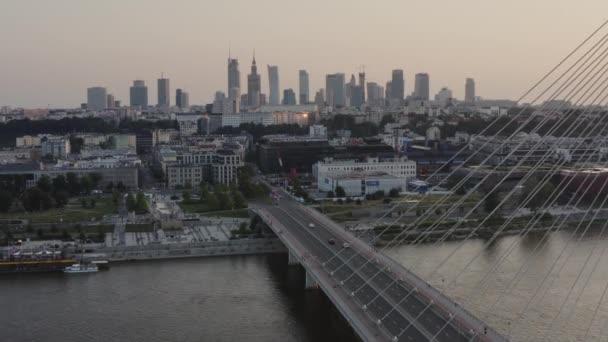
x,y
311,225
331,241
345,245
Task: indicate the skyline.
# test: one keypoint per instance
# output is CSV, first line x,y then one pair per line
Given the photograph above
x,y
504,58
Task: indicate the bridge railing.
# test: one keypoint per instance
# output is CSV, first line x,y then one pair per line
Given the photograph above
x,y
462,318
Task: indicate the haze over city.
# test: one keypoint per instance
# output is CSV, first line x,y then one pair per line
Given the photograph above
x,y
54,50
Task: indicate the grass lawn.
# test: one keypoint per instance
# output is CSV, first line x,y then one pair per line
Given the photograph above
x,y
200,208
73,212
139,228
236,213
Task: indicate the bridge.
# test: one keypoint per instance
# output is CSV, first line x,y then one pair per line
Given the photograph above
x,y
378,297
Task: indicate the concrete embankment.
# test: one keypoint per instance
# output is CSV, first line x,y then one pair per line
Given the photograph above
x,y
190,250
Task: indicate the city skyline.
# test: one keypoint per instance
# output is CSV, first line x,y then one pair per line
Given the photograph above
x,y
503,59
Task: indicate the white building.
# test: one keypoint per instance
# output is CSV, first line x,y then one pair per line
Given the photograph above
x,y
360,184
28,141
330,169
433,133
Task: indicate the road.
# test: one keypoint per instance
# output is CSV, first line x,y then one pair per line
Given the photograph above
x,y
402,311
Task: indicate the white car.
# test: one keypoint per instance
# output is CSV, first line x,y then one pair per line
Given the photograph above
x,y
345,245
311,225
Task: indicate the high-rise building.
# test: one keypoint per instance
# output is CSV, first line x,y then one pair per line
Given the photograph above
x,y
375,94
273,82
218,102
334,90
138,94
289,97
356,96
254,86
469,91
421,87
397,85
388,91
234,75
178,97
444,95
304,87
182,99
110,101
164,88
362,84
97,98
320,99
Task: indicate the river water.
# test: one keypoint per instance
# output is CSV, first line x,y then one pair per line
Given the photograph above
x,y
260,298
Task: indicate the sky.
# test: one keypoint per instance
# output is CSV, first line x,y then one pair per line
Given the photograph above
x,y
52,51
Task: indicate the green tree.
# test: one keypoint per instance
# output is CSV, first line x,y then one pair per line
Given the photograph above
x,y
238,200
141,204
225,201
212,202
35,199
542,196
72,183
340,192
6,201
95,179
83,202
492,201
115,197
394,193
204,187
186,196
131,203
86,184
60,183
330,194
93,203
44,184
61,198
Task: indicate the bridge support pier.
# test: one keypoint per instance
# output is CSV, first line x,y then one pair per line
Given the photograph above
x,y
310,283
292,259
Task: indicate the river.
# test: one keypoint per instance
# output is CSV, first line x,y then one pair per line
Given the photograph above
x,y
260,298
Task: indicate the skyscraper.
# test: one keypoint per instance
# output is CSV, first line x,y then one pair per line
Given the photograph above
x,y
97,98
320,99
234,75
185,100
138,94
421,87
304,87
178,97
164,88
110,101
397,85
469,91
289,97
254,85
362,84
334,90
273,82
375,94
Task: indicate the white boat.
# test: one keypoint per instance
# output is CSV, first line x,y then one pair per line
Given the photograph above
x,y
81,268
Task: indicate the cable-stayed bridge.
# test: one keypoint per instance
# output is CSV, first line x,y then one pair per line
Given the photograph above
x,y
546,159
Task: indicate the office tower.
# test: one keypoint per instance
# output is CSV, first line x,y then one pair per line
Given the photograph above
x,y
362,84
304,87
218,102
273,82
244,101
178,97
185,99
397,85
388,90
117,104
334,90
469,91
421,87
263,101
234,76
164,97
253,86
97,98
138,94
289,97
356,96
320,99
110,101
375,94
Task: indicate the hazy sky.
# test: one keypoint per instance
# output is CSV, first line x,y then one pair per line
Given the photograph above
x,y
52,50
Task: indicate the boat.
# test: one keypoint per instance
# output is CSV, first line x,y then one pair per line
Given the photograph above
x,y
81,268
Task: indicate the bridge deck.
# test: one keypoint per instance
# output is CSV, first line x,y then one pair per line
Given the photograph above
x,y
405,314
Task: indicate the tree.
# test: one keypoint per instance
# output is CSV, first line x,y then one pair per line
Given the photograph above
x,y
387,118
61,198
60,183
204,191
6,201
394,193
86,184
238,200
35,199
131,202
115,197
72,183
121,187
491,202
44,184
83,202
225,201
330,194
212,202
141,204
95,179
340,191
186,196
93,203
542,196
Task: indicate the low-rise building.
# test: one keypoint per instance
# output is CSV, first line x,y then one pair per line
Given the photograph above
x,y
57,147
363,183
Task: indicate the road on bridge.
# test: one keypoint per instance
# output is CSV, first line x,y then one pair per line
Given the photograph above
x,y
403,312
